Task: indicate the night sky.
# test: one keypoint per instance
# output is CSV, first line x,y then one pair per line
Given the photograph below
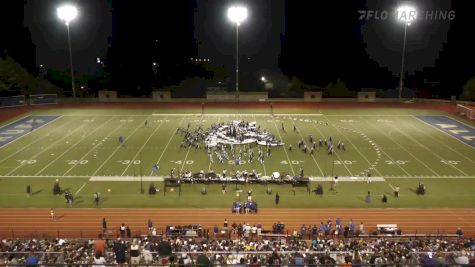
x,y
316,41
89,33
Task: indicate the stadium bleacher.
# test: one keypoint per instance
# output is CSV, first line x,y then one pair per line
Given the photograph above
x,y
188,251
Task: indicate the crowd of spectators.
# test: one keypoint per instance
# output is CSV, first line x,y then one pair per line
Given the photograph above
x,y
187,251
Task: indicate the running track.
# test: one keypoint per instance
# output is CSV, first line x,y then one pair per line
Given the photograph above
x,y
35,222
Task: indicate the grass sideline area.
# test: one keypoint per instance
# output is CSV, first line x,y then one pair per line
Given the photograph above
x,y
391,143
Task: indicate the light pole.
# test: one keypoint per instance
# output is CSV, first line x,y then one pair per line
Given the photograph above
x,y
405,14
237,14
67,13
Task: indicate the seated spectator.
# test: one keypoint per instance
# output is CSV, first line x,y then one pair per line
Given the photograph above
x,y
32,260
99,260
462,258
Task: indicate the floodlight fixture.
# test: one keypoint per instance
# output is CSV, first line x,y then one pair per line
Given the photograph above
x,y
67,13
237,14
406,14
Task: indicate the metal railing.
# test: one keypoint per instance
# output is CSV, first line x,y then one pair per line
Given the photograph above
x,y
206,233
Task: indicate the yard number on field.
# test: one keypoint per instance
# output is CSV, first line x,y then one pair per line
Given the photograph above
x,y
295,162
179,162
127,162
345,162
450,162
396,162
75,161
27,161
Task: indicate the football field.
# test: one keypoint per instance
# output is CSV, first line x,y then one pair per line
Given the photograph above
x,y
397,147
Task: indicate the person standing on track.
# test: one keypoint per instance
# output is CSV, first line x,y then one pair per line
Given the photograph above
x,y
361,231
53,216
104,226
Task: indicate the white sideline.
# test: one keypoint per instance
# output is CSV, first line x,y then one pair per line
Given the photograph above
x,y
232,114
127,178
347,179
121,178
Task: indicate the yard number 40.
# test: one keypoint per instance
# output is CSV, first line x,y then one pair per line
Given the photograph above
x,y
450,162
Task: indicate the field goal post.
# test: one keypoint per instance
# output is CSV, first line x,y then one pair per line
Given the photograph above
x,y
466,111
43,99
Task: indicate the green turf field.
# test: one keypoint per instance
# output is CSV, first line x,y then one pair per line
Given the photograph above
x,y
391,144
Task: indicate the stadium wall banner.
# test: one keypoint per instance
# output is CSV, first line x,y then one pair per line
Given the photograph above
x,y
231,96
454,128
107,96
161,96
312,96
12,101
22,127
43,99
366,96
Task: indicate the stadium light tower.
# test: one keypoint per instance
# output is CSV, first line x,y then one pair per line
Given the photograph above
x,y
68,13
237,14
406,15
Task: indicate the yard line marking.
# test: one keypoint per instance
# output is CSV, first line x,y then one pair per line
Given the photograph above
x,y
440,142
407,151
79,190
116,149
71,147
337,154
169,140
367,115
283,147
43,176
46,149
440,177
141,148
386,177
92,149
357,150
209,166
42,137
263,165
305,141
426,148
387,155
189,147
243,114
